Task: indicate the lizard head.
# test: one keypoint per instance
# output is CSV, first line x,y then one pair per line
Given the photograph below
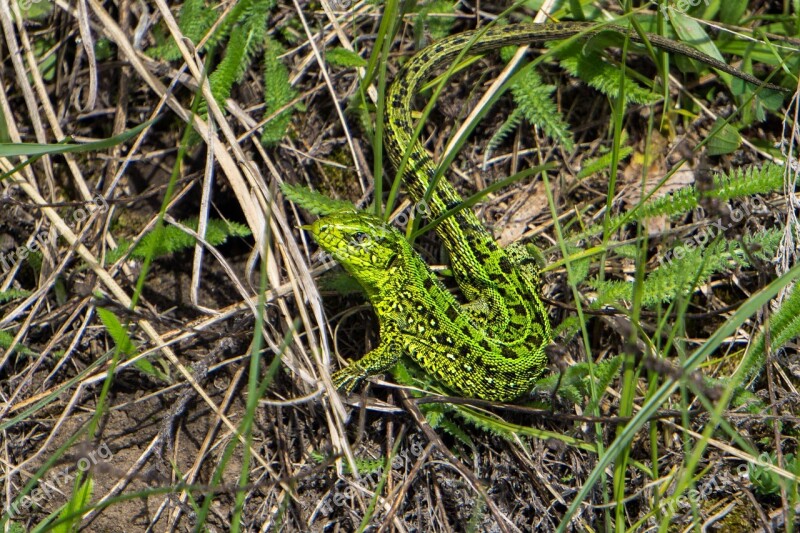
x,y
363,244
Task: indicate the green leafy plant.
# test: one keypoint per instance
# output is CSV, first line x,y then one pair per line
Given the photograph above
x,y
582,62
6,339
277,94
342,57
765,481
13,294
194,21
436,17
364,466
172,239
783,326
693,261
534,104
71,513
243,36
574,384
603,162
740,183
679,276
125,345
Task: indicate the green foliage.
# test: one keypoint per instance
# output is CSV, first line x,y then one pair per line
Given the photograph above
x,y
71,512
442,416
277,93
242,36
230,69
237,17
454,430
103,49
42,48
575,382
434,17
117,331
784,325
16,527
725,140
13,294
692,262
682,275
364,466
748,181
5,343
194,21
604,372
314,202
341,57
567,327
534,104
766,482
627,251
591,68
785,322
476,517
603,163
246,29
172,239
125,345
36,9
740,183
579,267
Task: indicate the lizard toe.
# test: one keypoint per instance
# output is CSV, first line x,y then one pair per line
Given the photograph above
x,y
348,378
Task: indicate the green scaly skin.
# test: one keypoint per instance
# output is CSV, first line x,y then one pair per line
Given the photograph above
x,y
494,346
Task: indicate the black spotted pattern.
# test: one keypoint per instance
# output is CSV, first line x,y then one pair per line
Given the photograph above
x,y
494,359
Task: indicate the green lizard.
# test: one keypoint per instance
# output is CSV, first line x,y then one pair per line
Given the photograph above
x,y
494,346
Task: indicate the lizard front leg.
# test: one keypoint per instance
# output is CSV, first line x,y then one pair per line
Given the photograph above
x,y
381,359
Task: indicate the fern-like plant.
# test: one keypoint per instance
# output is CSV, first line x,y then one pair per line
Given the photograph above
x,y
277,94
172,239
783,326
738,184
533,103
597,73
243,36
678,276
693,261
194,21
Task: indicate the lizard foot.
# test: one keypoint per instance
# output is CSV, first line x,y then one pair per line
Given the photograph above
x,y
349,377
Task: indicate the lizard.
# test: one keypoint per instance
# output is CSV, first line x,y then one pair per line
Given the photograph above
x,y
492,347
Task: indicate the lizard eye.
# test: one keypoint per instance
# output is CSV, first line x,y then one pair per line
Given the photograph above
x,y
360,237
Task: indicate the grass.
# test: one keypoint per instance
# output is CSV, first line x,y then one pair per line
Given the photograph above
x,y
142,392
